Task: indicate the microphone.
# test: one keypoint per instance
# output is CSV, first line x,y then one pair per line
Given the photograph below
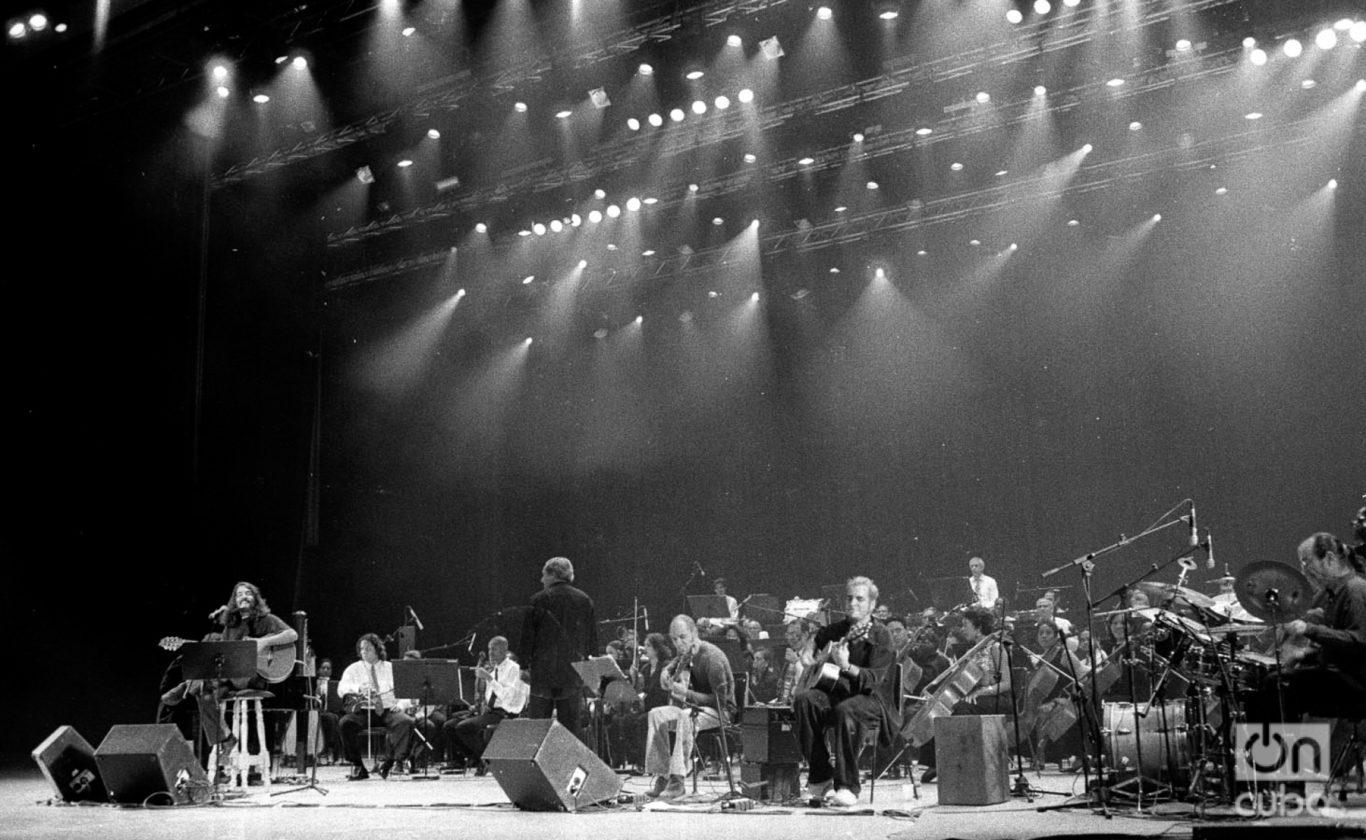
x,y
1195,534
416,620
470,647
218,612
645,611
700,570
1209,550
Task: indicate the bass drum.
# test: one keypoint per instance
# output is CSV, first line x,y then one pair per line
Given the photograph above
x,y
1162,737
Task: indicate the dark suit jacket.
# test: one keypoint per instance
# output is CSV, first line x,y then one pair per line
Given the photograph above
x,y
562,629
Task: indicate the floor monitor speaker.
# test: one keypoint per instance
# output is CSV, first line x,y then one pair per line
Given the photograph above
x,y
541,766
138,760
68,763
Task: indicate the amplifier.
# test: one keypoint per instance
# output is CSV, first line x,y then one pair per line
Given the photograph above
x,y
769,734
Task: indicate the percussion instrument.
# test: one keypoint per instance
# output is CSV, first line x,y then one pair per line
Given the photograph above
x,y
1273,591
1161,737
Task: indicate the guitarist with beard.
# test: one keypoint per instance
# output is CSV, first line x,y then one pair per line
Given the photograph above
x,y
845,693
245,616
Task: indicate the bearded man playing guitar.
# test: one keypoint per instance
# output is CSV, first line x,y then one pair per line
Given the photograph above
x,y
700,683
246,616
853,656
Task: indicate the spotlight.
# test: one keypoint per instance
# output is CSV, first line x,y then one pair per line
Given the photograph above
x,y
220,72
1014,16
858,137
575,220
645,70
1332,183
1257,56
745,96
656,120
1135,126
17,30
223,92
260,99
408,31
600,333
824,13
556,226
595,216
1115,82
300,63
872,185
1326,39
1071,4
692,188
699,107
806,161
481,228
599,194
1087,149
633,124
1254,115
771,49
722,103
633,204
887,9
433,134
754,298
983,97
519,107
924,132
528,280
734,41
1183,45
694,75
599,98
1157,217
1358,31
1042,7
38,22
405,163
1293,48
613,211
1040,90
539,230
956,167
1249,42
676,115
563,115
718,221
750,157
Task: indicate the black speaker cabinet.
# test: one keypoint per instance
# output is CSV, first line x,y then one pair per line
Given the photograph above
x,y
138,760
68,763
770,735
541,766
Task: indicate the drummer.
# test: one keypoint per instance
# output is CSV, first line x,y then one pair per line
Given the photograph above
x,y
1331,680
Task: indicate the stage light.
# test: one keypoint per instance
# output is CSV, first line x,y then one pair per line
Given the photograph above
x,y
1326,39
650,200
694,75
734,41
1042,7
519,107
599,98
523,232
599,194
887,9
1115,82
633,124
956,166
924,132
872,185
1014,246
1332,183
1308,84
1014,16
563,115
220,72
528,280
364,175
575,219
528,341
1135,126
1157,217
595,216
1071,4
37,22
841,209
750,158
1221,191
1072,222
648,252
718,221
640,319
676,115
1358,31
1258,56
556,226
722,103
1040,90
260,99
645,70
771,49
656,120
600,333
300,63
974,242
806,161
1249,42
223,92
754,298
633,204
281,59
408,31
1087,149
1254,115
1001,173
1293,48
858,137
538,229
481,228
699,107
433,134
983,97
613,211
1183,45
17,30
824,13
1360,85
745,96
692,188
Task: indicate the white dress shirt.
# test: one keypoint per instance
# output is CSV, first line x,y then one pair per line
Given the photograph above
x,y
506,690
985,590
356,680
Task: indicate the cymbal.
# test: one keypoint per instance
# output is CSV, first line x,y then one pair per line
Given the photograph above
x,y
1273,591
1190,596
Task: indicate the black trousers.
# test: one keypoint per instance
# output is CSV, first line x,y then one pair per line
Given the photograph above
x,y
849,719
566,702
466,738
398,725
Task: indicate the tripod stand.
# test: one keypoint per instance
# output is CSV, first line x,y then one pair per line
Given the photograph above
x,y
1021,786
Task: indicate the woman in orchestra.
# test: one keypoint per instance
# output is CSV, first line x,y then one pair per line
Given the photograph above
x,y
1049,714
629,725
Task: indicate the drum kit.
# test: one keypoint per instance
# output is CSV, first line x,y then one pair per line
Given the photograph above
x,y
1208,664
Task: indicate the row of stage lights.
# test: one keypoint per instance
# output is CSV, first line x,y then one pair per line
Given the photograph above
x,y
1325,39
36,23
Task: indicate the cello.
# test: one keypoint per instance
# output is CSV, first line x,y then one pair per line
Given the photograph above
x,y
946,691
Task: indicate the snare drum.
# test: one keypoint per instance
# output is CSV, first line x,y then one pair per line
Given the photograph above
x,y
1162,737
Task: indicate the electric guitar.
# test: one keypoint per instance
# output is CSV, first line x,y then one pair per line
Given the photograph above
x,y
273,664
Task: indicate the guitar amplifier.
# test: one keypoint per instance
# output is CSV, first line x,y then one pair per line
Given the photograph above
x,y
769,734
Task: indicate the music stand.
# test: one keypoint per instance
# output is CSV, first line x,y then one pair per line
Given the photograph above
x,y
218,660
709,606
596,675
431,681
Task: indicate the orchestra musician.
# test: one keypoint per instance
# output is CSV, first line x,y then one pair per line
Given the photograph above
x,y
991,695
504,697
796,659
1330,678
763,677
1048,717
367,689
246,615
984,589
732,605
700,684
842,695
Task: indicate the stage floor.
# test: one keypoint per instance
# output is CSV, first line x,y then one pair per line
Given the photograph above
x,y
477,808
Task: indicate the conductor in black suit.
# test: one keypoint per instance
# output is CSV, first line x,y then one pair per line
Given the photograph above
x,y
561,629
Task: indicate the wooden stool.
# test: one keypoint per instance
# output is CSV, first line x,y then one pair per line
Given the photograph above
x,y
241,760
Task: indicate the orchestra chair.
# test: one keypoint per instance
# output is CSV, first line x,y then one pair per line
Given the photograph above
x,y
719,740
372,758
241,706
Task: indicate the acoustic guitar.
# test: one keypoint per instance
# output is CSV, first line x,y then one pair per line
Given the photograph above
x,y
273,664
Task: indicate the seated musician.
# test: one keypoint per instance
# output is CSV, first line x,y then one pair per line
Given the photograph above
x,y
796,659
245,616
505,697
1329,680
367,689
763,677
845,695
991,694
329,721
700,685
1048,715
732,605
1046,611
923,660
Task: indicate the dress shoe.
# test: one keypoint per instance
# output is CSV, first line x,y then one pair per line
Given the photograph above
x,y
842,798
816,791
661,782
358,774
673,789
384,768
929,776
